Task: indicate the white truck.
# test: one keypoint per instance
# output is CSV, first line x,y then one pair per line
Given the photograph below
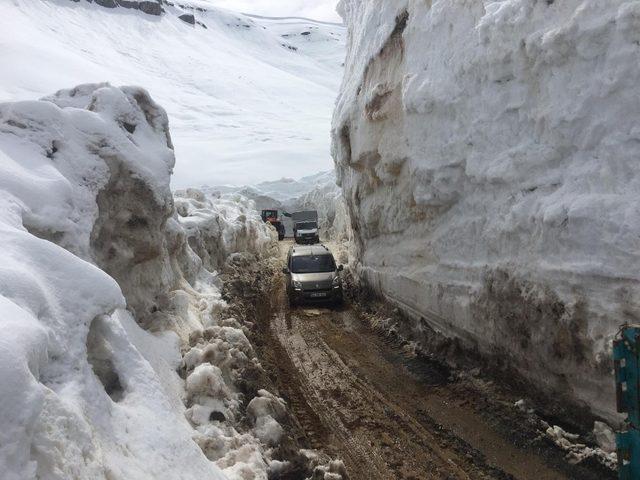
x,y
305,227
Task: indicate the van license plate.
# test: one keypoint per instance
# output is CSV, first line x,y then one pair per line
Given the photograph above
x,y
318,294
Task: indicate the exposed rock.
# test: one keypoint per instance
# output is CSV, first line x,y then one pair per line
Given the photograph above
x,y
150,8
106,3
188,18
128,4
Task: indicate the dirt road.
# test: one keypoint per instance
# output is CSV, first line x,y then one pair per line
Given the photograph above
x,y
387,415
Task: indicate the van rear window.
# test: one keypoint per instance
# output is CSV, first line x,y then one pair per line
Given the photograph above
x,y
313,264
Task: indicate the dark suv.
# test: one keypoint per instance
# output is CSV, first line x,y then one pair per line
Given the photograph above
x,y
312,274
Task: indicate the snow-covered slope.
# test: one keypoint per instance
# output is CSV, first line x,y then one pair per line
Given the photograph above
x,y
488,155
249,98
91,248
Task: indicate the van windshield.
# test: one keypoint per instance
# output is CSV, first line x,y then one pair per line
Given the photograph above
x,y
313,264
306,225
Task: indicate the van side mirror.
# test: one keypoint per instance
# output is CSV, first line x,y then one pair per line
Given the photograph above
x,y
285,270
340,268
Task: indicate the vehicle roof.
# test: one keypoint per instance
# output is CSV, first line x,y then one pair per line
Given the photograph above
x,y
304,250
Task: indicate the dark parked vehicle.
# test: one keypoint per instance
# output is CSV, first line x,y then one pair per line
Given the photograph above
x,y
312,275
271,216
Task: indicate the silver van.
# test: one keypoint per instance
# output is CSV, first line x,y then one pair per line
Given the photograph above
x,y
312,275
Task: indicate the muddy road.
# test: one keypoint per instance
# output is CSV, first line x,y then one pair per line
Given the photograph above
x,y
359,397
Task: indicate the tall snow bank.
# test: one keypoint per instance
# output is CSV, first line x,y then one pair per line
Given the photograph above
x,y
84,392
487,152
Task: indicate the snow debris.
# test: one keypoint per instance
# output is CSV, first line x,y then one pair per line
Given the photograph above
x,y
217,367
523,406
578,452
325,470
268,430
265,410
206,380
487,153
520,404
605,436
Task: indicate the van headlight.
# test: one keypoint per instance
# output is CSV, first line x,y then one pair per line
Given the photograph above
x,y
336,282
297,285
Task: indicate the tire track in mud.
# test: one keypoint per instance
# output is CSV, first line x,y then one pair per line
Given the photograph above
x,y
358,397
321,429
297,349
378,439
311,431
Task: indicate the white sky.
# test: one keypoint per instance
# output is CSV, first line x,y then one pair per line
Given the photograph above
x,y
316,9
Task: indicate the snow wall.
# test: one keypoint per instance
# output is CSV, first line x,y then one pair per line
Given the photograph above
x,y
487,152
92,248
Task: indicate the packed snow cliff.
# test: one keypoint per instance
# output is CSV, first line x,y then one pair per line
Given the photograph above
x,y
487,151
94,248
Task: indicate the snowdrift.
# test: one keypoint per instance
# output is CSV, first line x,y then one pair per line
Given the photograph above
x,y
487,151
92,249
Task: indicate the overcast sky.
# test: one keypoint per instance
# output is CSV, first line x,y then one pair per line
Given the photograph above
x,y
316,9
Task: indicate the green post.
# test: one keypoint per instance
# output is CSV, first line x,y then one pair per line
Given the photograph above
x,y
626,357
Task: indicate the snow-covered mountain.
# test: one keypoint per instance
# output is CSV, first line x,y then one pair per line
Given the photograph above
x,y
488,154
281,190
249,98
